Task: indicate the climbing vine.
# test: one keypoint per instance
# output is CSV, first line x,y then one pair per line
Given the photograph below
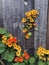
x,y
29,22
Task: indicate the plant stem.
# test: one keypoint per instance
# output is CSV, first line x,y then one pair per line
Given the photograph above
x,y
2,62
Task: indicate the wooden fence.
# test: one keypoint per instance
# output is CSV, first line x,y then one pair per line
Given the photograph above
x,y
11,13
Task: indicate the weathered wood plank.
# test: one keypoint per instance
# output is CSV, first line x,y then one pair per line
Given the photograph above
x,y
40,35
13,11
47,40
30,42
1,14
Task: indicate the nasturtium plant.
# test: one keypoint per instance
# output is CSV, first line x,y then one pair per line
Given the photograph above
x,y
16,63
11,56
41,63
7,34
47,62
12,53
29,22
2,31
7,55
32,60
22,63
26,62
9,63
4,55
2,47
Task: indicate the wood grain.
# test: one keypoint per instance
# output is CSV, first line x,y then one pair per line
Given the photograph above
x,y
40,35
47,45
13,12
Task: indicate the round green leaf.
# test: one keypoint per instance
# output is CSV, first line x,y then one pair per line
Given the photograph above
x,y
47,62
41,62
26,61
32,60
5,55
22,63
2,47
16,63
29,33
36,56
7,34
10,57
2,31
9,63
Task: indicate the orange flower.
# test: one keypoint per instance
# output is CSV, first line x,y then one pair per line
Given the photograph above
x,y
26,55
21,59
12,40
16,59
34,24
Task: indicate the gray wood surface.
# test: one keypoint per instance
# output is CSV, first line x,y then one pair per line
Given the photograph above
x,y
40,35
1,14
13,11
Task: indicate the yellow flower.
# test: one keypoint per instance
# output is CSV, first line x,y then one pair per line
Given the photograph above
x,y
24,30
40,48
29,17
14,45
18,53
42,54
27,14
48,58
23,20
10,35
40,57
31,20
18,48
4,41
44,59
10,45
27,36
34,16
34,12
38,53
47,51
3,36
